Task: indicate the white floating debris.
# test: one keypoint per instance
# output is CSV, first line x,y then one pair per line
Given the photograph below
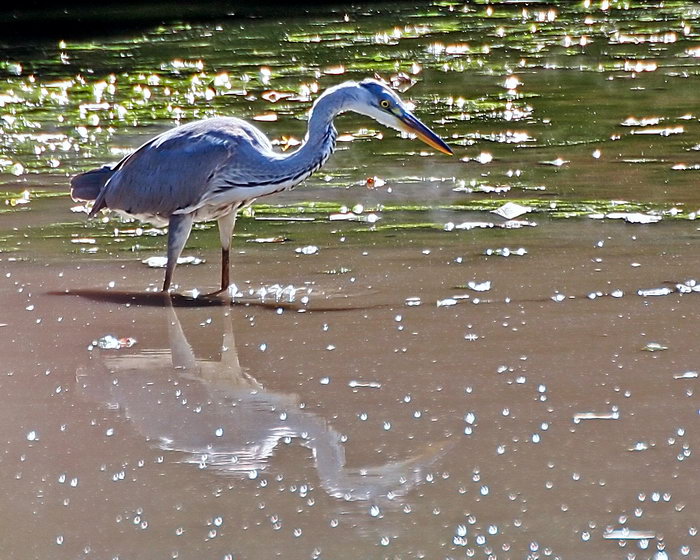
x,y
660,131
449,226
412,301
555,162
654,347
364,384
84,240
517,224
645,121
111,342
353,217
32,435
617,293
233,291
276,239
446,302
506,252
628,534
686,375
510,224
308,250
280,293
655,292
479,286
511,210
285,218
634,217
511,82
161,262
686,167
484,158
614,414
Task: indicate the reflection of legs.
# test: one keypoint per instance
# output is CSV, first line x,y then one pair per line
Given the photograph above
x,y
180,349
226,224
179,229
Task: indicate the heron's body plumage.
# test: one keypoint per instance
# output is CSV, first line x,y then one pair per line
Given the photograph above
x,y
206,167
209,169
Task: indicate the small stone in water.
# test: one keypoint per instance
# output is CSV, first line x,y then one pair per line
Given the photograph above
x,y
308,250
479,286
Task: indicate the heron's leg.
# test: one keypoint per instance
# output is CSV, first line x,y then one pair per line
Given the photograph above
x,y
179,229
226,224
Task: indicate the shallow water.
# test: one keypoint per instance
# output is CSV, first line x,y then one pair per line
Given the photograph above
x,y
439,383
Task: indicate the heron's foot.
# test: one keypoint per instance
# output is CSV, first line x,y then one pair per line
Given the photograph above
x,y
218,292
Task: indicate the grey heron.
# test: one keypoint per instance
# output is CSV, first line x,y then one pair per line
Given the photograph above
x,y
209,169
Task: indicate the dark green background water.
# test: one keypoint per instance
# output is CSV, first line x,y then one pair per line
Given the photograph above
x,y
580,72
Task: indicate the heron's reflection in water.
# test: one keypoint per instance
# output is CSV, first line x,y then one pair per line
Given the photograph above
x,y
219,417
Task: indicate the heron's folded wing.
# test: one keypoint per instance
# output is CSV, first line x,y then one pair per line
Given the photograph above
x,y
173,171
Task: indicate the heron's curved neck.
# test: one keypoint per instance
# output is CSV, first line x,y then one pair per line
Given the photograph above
x,y
319,142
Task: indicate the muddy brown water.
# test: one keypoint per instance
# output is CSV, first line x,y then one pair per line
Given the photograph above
x,y
368,425
418,387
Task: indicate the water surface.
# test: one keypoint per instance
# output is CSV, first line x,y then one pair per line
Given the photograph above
x,y
405,374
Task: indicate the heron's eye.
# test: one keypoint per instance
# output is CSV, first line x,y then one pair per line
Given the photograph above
x,y
385,103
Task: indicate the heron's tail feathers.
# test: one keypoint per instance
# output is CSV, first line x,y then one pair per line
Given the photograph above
x,y
87,186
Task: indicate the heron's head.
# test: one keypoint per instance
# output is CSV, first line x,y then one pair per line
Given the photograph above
x,y
376,100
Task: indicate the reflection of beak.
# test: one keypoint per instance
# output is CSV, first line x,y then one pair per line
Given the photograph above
x,y
412,125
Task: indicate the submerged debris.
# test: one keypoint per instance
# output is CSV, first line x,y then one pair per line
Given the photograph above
x,y
111,342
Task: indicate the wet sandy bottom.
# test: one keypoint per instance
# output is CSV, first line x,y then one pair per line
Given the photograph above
x,y
507,423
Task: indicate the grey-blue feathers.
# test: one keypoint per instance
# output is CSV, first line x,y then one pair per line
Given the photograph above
x,y
209,169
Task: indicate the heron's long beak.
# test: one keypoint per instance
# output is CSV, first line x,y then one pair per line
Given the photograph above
x,y
412,125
